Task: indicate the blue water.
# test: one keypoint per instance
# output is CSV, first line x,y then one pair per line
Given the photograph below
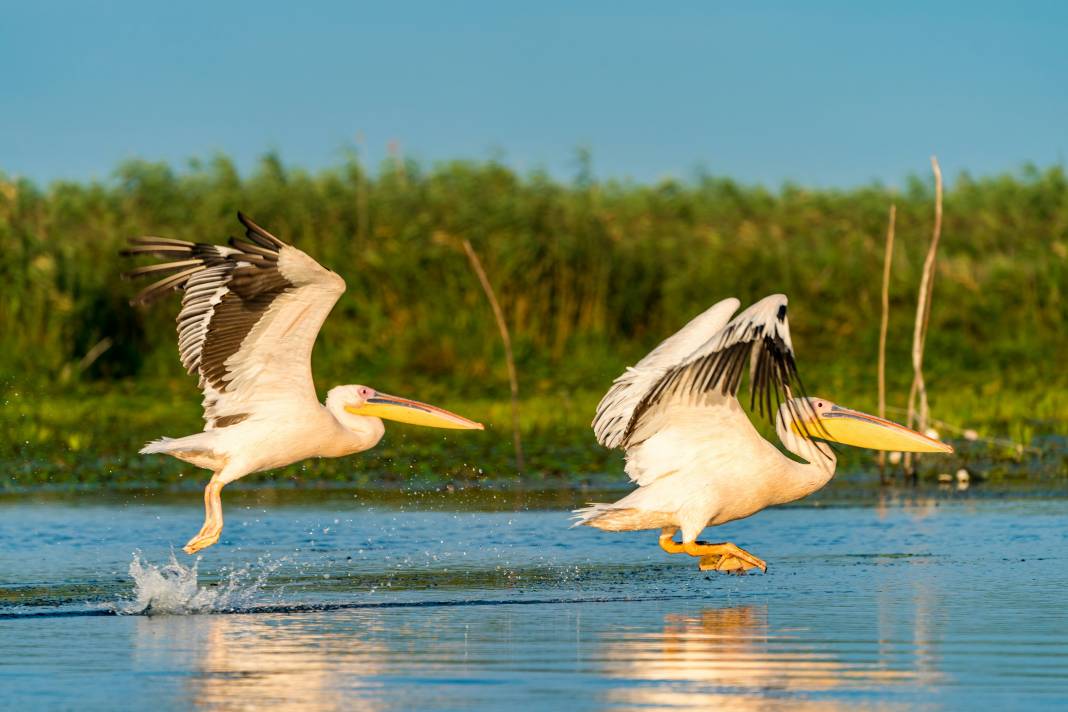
x,y
338,603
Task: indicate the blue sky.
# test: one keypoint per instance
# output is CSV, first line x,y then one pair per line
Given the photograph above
x,y
821,93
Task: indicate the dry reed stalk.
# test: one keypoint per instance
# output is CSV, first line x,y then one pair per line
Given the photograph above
x,y
884,325
923,316
94,353
362,216
396,156
502,326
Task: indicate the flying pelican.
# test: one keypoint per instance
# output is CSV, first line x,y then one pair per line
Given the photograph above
x,y
691,449
250,315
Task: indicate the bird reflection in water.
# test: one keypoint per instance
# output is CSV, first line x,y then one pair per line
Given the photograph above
x,y
729,658
710,658
252,662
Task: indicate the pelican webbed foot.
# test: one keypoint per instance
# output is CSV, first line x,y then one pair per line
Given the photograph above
x,y
724,556
203,540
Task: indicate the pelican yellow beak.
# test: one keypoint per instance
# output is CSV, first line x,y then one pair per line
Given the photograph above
x,y
851,427
402,410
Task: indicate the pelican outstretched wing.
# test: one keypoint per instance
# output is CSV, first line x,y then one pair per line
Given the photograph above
x,y
616,409
251,312
703,365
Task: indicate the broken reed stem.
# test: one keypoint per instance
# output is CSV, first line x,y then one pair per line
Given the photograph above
x,y
923,317
883,326
502,326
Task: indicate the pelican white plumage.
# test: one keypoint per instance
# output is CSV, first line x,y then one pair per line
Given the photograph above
x,y
250,315
692,450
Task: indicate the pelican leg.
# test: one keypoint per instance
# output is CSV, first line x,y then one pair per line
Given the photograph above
x,y
213,519
667,542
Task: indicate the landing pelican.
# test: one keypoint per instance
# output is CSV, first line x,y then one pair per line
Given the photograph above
x,y
691,449
250,315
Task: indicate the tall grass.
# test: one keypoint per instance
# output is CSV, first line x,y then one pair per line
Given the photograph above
x,y
590,274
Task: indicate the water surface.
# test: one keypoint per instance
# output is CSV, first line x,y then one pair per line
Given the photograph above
x,y
340,602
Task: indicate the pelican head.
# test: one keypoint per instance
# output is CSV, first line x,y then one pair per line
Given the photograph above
x,y
366,401
819,418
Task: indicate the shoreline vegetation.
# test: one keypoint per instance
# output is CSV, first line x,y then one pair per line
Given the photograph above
x,y
589,276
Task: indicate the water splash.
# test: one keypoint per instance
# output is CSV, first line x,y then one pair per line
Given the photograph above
x,y
173,589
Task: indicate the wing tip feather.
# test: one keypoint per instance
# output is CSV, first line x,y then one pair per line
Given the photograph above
x,y
254,231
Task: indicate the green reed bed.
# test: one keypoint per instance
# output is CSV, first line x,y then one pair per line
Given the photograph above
x,y
589,274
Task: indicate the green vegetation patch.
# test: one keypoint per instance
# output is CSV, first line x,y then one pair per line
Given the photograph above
x,y
590,275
